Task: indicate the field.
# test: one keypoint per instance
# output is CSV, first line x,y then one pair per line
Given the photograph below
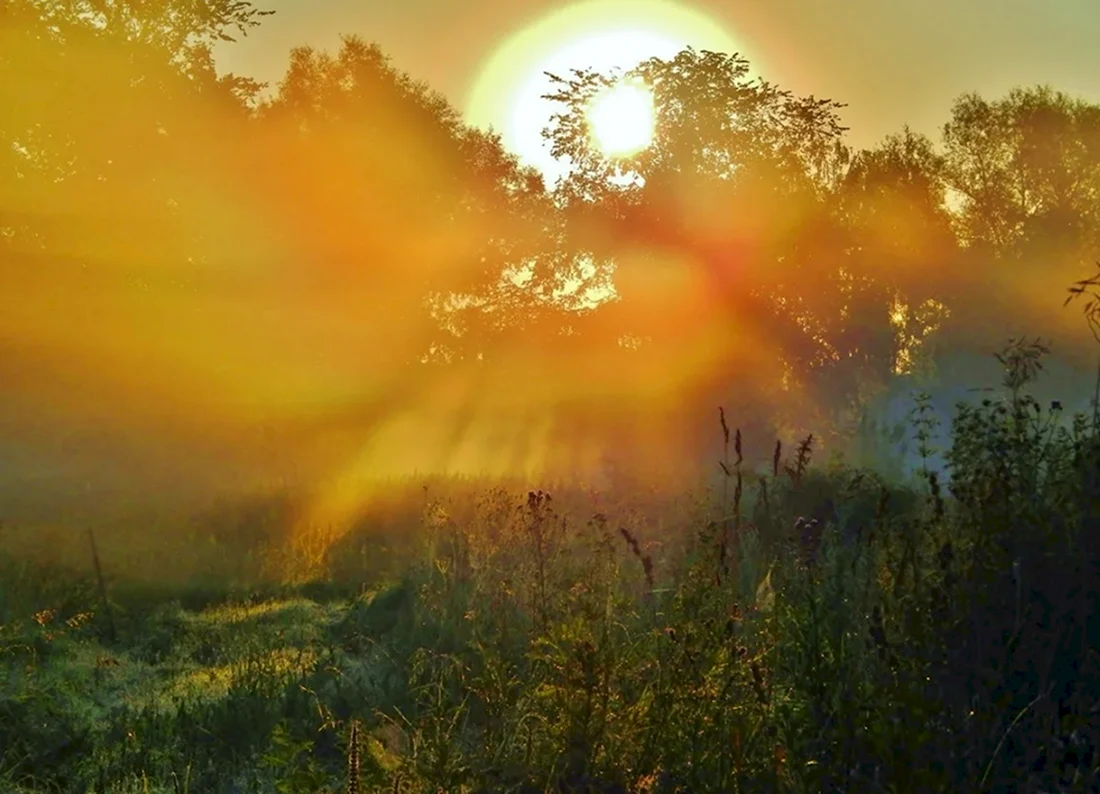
x,y
350,444
806,627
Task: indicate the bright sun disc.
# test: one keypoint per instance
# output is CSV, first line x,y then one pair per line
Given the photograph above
x,y
622,118
603,35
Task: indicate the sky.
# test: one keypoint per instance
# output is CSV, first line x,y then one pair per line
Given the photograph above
x,y
893,62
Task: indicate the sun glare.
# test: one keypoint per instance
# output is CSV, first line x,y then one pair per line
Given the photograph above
x,y
604,35
622,119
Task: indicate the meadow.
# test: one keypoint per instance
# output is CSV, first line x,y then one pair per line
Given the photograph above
x,y
807,627
235,317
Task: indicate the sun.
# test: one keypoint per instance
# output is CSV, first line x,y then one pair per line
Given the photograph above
x,y
604,35
622,119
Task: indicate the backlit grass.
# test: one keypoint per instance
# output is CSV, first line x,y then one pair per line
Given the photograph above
x,y
809,627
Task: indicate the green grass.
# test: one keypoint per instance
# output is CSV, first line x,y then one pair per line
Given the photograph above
x,y
923,637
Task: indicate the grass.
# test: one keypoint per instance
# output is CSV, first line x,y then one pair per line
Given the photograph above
x,y
805,628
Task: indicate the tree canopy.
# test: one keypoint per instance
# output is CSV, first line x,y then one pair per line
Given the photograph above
x,y
341,246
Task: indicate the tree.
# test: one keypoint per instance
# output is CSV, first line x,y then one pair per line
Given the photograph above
x,y
902,254
400,207
103,102
730,204
116,141
1026,169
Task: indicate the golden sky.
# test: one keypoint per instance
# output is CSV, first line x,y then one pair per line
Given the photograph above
x,y
217,364
894,63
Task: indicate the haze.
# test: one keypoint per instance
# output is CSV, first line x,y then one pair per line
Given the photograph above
x,y
208,292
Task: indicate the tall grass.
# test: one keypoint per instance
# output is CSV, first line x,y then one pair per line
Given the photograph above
x,y
808,628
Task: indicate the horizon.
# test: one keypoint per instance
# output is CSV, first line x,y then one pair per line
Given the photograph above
x,y
924,59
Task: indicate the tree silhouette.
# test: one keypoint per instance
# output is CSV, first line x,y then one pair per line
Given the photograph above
x,y
751,190
158,217
891,203
1026,171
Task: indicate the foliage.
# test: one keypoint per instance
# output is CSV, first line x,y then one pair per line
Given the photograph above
x,y
933,639
806,626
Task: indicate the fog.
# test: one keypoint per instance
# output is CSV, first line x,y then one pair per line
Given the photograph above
x,y
205,295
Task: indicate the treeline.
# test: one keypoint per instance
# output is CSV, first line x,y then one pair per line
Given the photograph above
x,y
181,242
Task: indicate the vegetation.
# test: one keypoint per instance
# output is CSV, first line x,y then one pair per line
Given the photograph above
x,y
180,247
922,638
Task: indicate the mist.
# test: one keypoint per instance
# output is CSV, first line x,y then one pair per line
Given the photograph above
x,y
207,295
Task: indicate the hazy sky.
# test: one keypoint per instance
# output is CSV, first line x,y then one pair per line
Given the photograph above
x,y
893,61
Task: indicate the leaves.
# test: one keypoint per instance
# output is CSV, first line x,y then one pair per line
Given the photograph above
x,y
1028,168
